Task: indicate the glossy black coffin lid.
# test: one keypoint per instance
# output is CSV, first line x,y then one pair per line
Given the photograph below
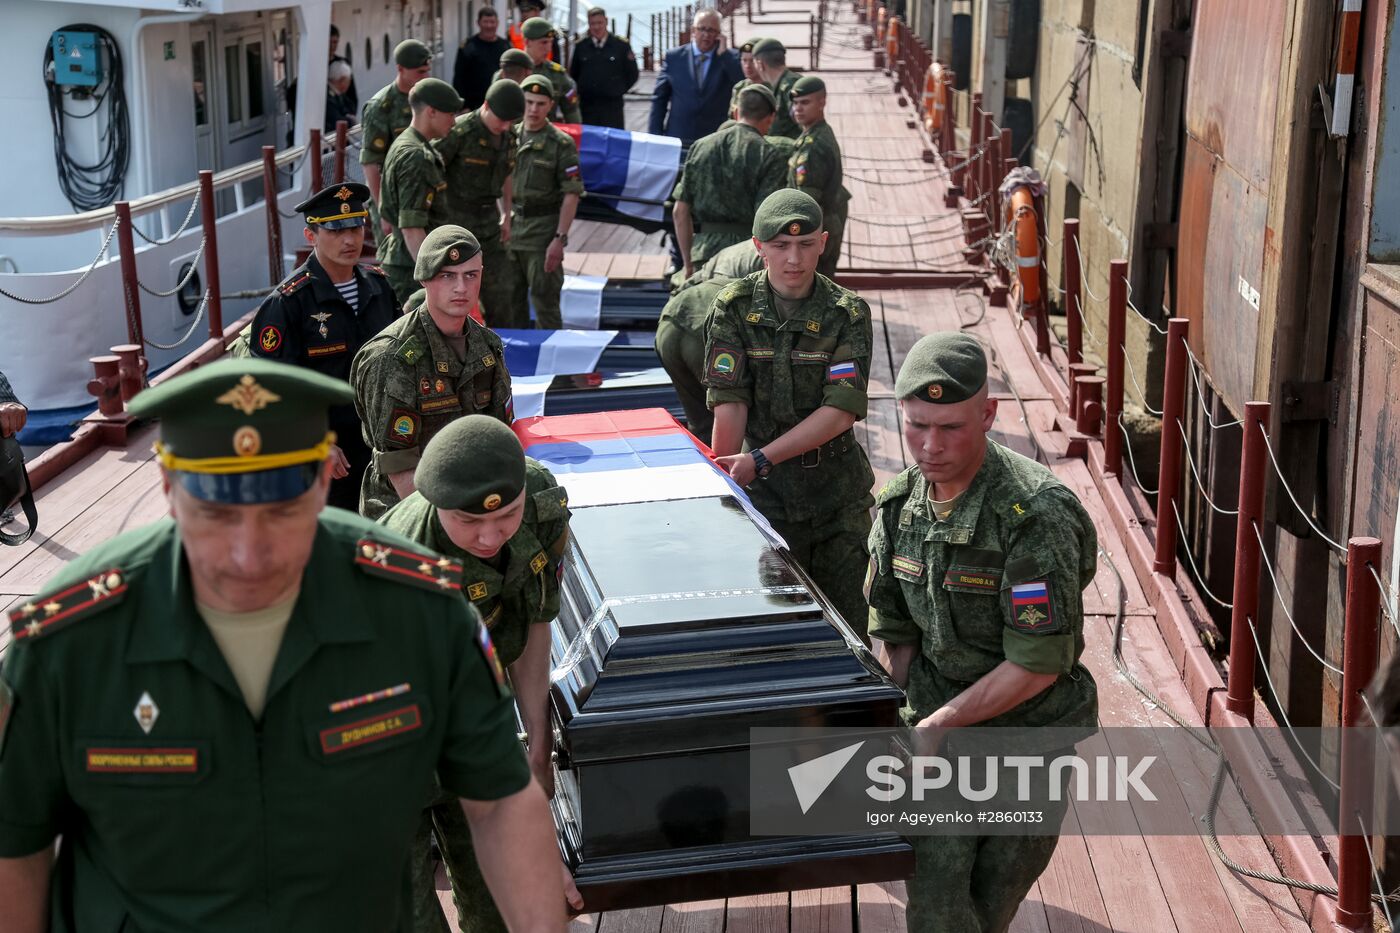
x,y
696,627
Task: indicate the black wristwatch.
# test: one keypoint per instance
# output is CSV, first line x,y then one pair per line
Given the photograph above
x,y
761,464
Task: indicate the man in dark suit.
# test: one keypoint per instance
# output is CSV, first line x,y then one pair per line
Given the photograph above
x,y
604,68
694,84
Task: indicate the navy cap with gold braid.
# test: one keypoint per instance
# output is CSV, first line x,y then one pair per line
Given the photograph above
x,y
337,207
244,431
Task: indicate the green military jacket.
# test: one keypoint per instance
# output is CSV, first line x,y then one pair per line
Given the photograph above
x,y
726,177
409,385
739,86
732,262
785,369
128,735
526,591
382,119
815,167
476,164
783,123
1000,579
566,109
412,193
546,169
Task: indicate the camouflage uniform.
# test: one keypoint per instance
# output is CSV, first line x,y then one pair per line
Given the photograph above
x,y
382,119
412,193
546,169
565,92
409,384
945,586
734,97
815,167
525,593
783,123
784,370
727,175
477,165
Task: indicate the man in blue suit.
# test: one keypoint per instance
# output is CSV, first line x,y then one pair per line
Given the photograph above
x,y
694,84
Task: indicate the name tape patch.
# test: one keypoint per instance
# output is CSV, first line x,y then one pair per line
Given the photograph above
x,y
908,565
374,729
143,760
973,578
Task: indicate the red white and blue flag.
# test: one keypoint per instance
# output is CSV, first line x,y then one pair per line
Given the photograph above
x,y
629,165
1030,605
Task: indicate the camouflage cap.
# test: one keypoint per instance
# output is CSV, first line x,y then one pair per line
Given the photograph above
x,y
506,100
786,211
768,45
244,431
448,245
943,368
410,53
536,27
475,464
536,84
807,84
436,93
517,58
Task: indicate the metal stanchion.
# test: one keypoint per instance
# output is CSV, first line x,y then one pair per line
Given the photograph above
x,y
209,220
1239,689
1169,475
274,223
1357,759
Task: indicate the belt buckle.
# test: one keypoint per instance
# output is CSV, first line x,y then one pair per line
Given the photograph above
x,y
811,458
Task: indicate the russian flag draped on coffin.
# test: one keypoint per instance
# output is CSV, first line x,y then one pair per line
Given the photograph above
x,y
628,165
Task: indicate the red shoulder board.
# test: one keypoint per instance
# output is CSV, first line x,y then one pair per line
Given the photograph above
x,y
296,283
377,270
430,571
46,614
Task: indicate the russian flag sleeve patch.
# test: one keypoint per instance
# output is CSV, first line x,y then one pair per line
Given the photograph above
x,y
843,374
1030,608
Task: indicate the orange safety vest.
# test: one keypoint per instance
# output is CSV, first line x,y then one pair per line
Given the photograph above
x,y
517,39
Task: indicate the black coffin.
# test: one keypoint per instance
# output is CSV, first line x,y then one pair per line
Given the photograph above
x,y
681,627
605,391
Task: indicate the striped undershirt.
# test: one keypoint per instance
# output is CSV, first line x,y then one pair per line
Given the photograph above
x,y
350,291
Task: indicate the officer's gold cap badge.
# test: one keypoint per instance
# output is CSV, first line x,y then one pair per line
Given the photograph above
x,y
344,194
935,391
492,502
247,396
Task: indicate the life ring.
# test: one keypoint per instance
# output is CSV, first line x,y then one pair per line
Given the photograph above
x,y
892,44
1020,213
879,20
933,99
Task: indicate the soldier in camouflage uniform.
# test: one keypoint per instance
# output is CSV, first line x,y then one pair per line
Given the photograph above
x,y
505,520
727,175
427,369
787,362
516,66
414,197
750,76
479,156
386,115
770,59
978,559
547,190
539,39
815,164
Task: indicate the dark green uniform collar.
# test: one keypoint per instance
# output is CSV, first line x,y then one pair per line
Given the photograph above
x,y
814,306
957,528
441,351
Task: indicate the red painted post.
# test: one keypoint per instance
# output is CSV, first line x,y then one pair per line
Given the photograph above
x,y
984,174
1004,164
1117,327
1069,258
274,223
209,222
974,123
105,385
1169,475
342,136
1089,414
950,139
313,152
1358,749
1239,691
126,244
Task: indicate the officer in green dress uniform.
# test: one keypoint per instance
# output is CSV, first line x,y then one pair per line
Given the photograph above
x,y
770,60
427,369
978,558
277,687
539,39
787,362
479,156
505,520
547,189
815,164
726,177
414,198
387,114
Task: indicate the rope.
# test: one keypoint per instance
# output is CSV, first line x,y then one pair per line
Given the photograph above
x,y
1259,648
1084,322
107,241
1385,600
1157,327
194,205
1132,461
1132,374
1084,273
198,316
1283,603
179,286
1191,561
1186,445
1201,392
1291,497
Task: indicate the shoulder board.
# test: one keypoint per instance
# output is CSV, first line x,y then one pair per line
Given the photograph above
x,y
853,303
736,289
295,284
896,488
555,66
376,270
416,568
411,350
551,504
47,614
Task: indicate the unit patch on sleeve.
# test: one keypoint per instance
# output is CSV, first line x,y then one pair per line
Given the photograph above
x,y
843,374
1030,607
403,427
725,365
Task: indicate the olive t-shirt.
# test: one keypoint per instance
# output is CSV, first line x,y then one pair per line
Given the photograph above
x,y
249,642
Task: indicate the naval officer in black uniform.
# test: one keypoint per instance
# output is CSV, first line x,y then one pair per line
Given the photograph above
x,y
324,312
604,67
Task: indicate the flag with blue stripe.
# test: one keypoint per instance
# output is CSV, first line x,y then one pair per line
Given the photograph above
x,y
627,164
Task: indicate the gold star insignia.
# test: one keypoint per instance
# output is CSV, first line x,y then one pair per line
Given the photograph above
x,y
248,396
444,563
33,628
28,609
444,583
425,567
52,608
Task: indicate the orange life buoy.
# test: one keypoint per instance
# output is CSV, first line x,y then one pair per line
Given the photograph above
x,y
879,20
892,43
933,99
1020,213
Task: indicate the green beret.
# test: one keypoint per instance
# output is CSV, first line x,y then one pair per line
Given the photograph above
x,y
244,431
475,464
506,99
762,90
436,93
535,84
531,4
786,211
768,45
537,27
807,84
944,368
410,53
448,245
516,58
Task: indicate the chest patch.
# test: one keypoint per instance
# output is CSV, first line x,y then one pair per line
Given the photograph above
x,y
142,760
371,729
974,578
328,350
907,566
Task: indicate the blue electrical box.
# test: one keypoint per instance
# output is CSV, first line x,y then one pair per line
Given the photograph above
x,y
75,59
